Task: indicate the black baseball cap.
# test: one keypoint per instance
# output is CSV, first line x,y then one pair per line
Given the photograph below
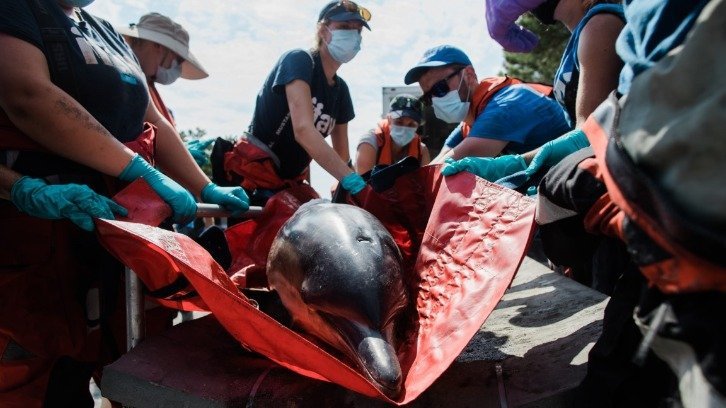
x,y
345,10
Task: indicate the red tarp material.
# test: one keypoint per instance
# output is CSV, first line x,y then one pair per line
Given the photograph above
x,y
464,236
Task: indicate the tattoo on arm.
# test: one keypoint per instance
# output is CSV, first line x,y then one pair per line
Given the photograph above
x,y
71,110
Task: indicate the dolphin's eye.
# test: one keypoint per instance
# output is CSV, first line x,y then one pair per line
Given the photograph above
x,y
364,238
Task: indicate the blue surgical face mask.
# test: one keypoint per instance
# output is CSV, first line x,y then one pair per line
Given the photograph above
x,y
344,44
402,135
449,107
75,3
166,76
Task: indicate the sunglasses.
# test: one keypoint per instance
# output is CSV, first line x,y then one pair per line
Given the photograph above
x,y
355,8
439,89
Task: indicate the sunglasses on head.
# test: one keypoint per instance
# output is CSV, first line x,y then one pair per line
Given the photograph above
x,y
439,89
355,8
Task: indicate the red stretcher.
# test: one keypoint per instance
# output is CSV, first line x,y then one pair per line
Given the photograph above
x,y
462,240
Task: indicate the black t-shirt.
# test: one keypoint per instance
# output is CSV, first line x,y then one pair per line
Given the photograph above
x,y
109,83
271,122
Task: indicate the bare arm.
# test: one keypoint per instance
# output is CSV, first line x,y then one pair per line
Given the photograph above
x,y
48,115
339,137
7,179
365,158
171,155
599,64
445,152
425,155
474,147
301,114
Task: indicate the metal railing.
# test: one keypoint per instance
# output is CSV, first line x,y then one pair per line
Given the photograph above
x,y
135,322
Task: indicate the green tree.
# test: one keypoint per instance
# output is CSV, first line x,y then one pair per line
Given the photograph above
x,y
191,134
541,64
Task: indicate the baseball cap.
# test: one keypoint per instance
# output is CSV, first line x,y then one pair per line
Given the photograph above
x,y
436,57
345,10
406,105
162,30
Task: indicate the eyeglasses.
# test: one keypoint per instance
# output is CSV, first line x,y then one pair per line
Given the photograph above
x,y
439,89
352,7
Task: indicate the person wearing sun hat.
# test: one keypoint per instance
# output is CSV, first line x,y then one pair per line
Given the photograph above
x,y
395,137
162,48
302,102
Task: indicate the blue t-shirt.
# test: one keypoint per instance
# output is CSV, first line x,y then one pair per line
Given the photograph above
x,y
520,115
271,122
109,82
654,28
567,76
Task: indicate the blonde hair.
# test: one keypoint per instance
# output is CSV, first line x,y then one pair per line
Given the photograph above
x,y
318,42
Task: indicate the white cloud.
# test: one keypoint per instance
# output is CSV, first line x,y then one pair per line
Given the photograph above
x,y
239,42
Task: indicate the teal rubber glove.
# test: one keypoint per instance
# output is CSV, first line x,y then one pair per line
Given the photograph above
x,y
197,148
489,168
553,151
179,199
233,199
353,182
75,202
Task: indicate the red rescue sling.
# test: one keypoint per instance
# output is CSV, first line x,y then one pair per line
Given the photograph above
x,y
462,239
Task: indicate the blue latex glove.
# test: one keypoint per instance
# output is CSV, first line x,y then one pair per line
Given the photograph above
x,y
489,168
197,148
353,182
179,199
501,16
553,151
233,199
76,202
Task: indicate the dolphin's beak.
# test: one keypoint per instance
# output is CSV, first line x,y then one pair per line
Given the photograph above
x,y
370,350
379,359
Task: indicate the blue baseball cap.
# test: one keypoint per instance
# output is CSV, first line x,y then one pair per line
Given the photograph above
x,y
440,56
345,10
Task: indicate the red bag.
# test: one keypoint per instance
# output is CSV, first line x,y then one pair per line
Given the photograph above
x,y
462,237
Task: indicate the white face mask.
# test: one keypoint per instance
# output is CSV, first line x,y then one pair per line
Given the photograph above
x,y
344,44
402,135
166,76
449,107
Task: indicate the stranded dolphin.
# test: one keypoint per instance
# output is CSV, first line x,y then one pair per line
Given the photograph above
x,y
338,272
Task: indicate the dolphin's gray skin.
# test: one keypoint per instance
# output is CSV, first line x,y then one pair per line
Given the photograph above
x,y
338,272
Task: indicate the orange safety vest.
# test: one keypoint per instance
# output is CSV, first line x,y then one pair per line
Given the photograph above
x,y
696,261
385,144
486,90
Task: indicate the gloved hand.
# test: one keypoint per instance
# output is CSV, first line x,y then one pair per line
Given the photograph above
x,y
555,150
353,182
233,199
501,16
489,168
179,199
197,149
76,202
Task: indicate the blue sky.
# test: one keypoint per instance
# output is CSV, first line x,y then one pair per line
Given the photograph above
x,y
239,41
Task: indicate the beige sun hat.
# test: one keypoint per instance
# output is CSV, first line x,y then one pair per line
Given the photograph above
x,y
162,30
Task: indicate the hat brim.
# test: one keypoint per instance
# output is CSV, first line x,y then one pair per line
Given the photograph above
x,y
191,67
408,113
350,15
414,74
